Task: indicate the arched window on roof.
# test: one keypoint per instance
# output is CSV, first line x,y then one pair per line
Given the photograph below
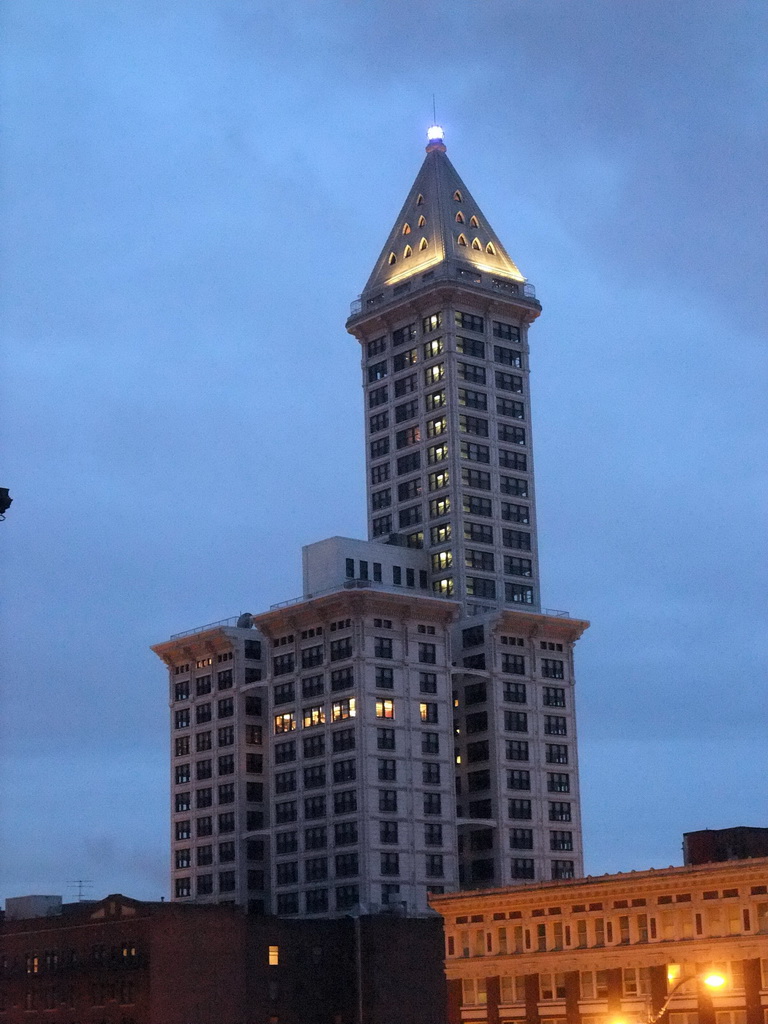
x,y
423,244
392,259
457,196
459,217
406,228
419,199
422,221
461,240
476,243
408,251
473,222
490,249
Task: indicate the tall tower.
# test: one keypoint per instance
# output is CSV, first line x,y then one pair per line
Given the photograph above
x,y
443,326
406,726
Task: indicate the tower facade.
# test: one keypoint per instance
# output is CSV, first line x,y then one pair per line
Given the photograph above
x,y
407,725
443,326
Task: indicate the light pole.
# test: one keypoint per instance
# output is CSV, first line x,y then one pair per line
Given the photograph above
x,y
712,980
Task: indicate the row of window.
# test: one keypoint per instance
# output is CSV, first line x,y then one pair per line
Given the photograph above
x,y
432,322
182,745
472,451
316,776
225,822
339,650
345,833
343,679
384,707
344,739
474,425
467,398
346,803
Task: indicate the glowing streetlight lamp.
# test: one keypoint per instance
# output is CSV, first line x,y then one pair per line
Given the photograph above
x,y
712,980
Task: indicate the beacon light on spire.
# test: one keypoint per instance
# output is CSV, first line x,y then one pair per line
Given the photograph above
x,y
435,133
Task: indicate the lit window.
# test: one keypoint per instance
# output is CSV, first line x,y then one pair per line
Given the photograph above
x,y
385,708
392,259
314,716
342,709
490,249
419,199
457,196
473,223
423,244
459,217
273,956
422,221
406,228
461,240
476,243
408,251
285,722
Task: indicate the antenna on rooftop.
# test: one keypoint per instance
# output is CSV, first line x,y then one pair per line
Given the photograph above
x,y
81,884
434,111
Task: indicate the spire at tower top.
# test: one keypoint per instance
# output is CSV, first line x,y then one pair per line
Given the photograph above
x,y
440,223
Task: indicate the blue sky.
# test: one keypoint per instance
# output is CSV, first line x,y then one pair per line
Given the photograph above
x,y
192,195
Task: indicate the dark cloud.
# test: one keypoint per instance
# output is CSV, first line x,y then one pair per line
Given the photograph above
x,y
192,196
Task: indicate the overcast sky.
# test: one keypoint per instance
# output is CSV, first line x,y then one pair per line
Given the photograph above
x,y
192,194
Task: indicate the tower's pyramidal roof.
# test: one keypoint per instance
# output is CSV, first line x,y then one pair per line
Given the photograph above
x,y
439,222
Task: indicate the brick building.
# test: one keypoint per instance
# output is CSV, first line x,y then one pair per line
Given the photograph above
x,y
610,948
123,961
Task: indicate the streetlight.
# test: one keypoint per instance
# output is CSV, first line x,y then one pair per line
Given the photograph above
x,y
712,980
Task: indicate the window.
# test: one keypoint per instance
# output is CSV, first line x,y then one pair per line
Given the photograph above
x,y
315,838
377,371
347,896
439,507
377,396
518,779
409,463
520,809
204,827
471,347
285,752
477,586
406,411
509,382
433,348
468,321
516,594
515,513
405,438
510,434
227,822
182,802
507,407
555,725
387,770
551,668
343,739
517,750
473,399
516,539
226,764
556,753
403,335
476,505
382,525
522,867
433,835
427,682
204,855
521,839
405,385
226,736
284,693
559,811
288,873
202,685
427,654
181,691
203,741
345,833
285,811
390,864
288,903
314,776
475,453
434,374
409,516
430,743
561,840
227,793
380,448
478,532
562,869
432,803
476,722
204,797
431,322
342,709
203,713
314,807
514,693
471,373
435,400
430,773
382,647
345,802
437,481
282,664
225,678
342,678
473,425
315,869
346,864
312,686
286,842
474,559
385,708
285,722
387,801
478,751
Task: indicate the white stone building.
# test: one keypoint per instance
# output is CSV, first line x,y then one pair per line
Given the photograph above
x,y
408,725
